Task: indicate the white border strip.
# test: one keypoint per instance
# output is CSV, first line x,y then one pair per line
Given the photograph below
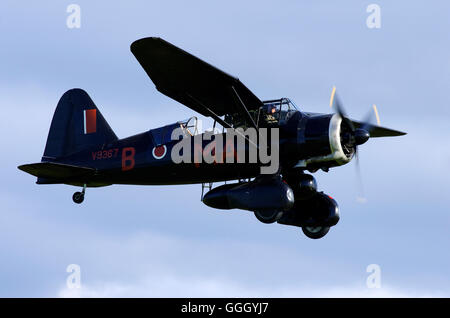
x,y
84,116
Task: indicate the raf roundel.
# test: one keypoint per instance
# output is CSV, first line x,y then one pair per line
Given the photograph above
x,y
159,152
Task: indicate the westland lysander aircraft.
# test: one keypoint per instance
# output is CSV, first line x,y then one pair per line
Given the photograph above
x,y
82,149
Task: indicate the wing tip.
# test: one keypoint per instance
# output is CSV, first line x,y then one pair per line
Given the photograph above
x,y
28,168
397,133
143,41
24,166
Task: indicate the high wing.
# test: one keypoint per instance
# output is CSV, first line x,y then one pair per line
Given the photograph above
x,y
193,82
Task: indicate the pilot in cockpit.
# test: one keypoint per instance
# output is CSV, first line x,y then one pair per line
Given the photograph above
x,y
271,113
277,111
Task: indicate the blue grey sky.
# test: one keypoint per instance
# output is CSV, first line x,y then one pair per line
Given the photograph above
x,y
162,241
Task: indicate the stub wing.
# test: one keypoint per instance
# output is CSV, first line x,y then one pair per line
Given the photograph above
x,y
378,131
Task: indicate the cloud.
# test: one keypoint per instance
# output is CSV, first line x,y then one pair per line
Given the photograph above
x,y
185,288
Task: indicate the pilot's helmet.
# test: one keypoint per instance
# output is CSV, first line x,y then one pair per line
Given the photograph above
x,y
270,109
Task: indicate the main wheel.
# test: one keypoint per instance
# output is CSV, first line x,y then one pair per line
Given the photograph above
x,y
78,197
268,217
315,232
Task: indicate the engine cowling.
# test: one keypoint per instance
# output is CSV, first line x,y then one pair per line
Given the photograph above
x,y
322,142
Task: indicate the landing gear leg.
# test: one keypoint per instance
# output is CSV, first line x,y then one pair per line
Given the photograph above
x,y
78,197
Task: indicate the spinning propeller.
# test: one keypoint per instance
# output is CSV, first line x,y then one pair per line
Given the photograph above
x,y
354,133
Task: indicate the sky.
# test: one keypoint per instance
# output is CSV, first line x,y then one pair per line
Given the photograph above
x,y
162,241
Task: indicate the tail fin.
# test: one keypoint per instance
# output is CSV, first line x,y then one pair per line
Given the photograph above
x,y
77,124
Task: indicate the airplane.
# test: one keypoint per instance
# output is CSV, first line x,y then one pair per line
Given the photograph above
x,y
82,150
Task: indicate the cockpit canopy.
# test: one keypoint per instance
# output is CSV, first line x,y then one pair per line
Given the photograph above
x,y
278,111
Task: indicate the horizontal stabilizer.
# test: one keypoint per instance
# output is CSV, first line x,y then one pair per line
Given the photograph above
x,y
51,170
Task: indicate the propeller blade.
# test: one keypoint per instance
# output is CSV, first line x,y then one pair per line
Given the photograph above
x,y
335,101
374,130
362,197
333,92
366,123
375,110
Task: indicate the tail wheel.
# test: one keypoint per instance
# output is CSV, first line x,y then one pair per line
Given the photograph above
x,y
315,232
268,217
78,197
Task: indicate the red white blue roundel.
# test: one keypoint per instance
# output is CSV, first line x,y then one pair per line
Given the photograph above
x,y
159,152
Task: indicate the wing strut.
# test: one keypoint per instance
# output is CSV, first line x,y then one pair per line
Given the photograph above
x,y
220,120
211,113
243,108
